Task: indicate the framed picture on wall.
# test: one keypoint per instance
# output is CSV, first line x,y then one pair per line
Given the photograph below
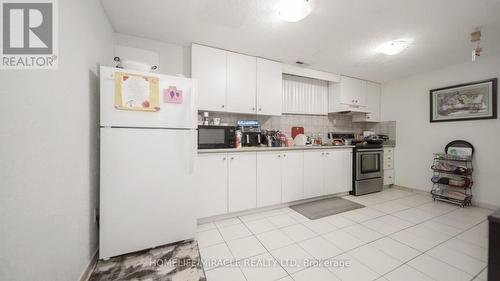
x,y
470,101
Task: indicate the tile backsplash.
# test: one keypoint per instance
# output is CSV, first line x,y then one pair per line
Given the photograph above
x,y
313,124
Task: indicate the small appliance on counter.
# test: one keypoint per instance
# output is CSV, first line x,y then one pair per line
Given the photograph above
x,y
250,132
297,131
211,137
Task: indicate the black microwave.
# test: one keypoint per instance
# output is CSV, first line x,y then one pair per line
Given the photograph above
x,y
216,137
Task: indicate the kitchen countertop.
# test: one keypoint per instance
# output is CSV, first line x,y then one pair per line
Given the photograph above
x,y
266,148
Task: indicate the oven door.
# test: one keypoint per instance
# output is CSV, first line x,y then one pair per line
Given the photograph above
x,y
214,137
369,164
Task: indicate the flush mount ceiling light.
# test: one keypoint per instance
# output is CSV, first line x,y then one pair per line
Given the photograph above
x,y
294,10
394,47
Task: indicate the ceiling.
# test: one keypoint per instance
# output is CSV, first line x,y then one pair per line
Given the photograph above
x,y
340,36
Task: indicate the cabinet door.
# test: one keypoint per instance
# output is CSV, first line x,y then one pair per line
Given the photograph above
x,y
338,171
269,87
332,170
209,67
313,173
268,178
352,91
211,184
373,102
292,184
241,83
346,171
242,181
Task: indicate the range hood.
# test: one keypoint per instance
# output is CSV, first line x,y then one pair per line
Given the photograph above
x,y
350,110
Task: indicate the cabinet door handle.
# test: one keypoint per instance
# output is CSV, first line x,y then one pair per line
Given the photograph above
x,y
260,109
284,155
232,158
224,158
279,155
328,153
222,106
322,153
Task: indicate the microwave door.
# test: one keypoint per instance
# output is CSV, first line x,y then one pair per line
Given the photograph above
x,y
211,138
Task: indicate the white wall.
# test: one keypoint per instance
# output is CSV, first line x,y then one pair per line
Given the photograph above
x,y
49,153
174,59
407,102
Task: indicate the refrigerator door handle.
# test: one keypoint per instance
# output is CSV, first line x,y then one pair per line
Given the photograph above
x,y
193,149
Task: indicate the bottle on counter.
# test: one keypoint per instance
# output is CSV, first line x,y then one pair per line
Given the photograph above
x,y
238,138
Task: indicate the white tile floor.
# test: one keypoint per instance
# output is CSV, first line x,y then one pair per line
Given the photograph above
x,y
399,235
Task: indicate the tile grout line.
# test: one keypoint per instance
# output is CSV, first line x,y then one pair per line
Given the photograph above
x,y
356,223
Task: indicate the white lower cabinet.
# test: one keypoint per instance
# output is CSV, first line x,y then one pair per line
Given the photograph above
x,y
327,172
211,184
237,181
313,173
268,178
338,171
389,166
242,181
292,176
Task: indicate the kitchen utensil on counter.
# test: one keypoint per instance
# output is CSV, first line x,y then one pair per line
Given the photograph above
x,y
317,139
205,118
300,140
374,139
238,139
338,142
368,133
297,131
289,142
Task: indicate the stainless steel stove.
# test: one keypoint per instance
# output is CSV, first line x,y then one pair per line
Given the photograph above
x,y
368,172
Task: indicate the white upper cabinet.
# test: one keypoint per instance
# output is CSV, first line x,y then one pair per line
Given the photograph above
x,y
352,91
241,83
232,82
372,104
209,67
269,87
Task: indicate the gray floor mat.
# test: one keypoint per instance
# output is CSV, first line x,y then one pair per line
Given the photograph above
x,y
325,207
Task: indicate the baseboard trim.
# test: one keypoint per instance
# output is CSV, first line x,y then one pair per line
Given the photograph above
x,y
474,202
90,267
266,208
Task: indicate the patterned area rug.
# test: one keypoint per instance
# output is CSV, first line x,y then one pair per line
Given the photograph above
x,y
175,262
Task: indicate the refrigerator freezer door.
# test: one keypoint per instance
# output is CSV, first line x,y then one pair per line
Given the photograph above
x,y
147,196
173,112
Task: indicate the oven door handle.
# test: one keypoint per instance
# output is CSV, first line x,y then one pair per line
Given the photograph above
x,y
369,150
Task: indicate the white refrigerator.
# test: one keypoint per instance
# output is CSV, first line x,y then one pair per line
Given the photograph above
x,y
147,197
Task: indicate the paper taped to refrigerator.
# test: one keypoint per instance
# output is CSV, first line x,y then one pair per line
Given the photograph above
x,y
136,92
